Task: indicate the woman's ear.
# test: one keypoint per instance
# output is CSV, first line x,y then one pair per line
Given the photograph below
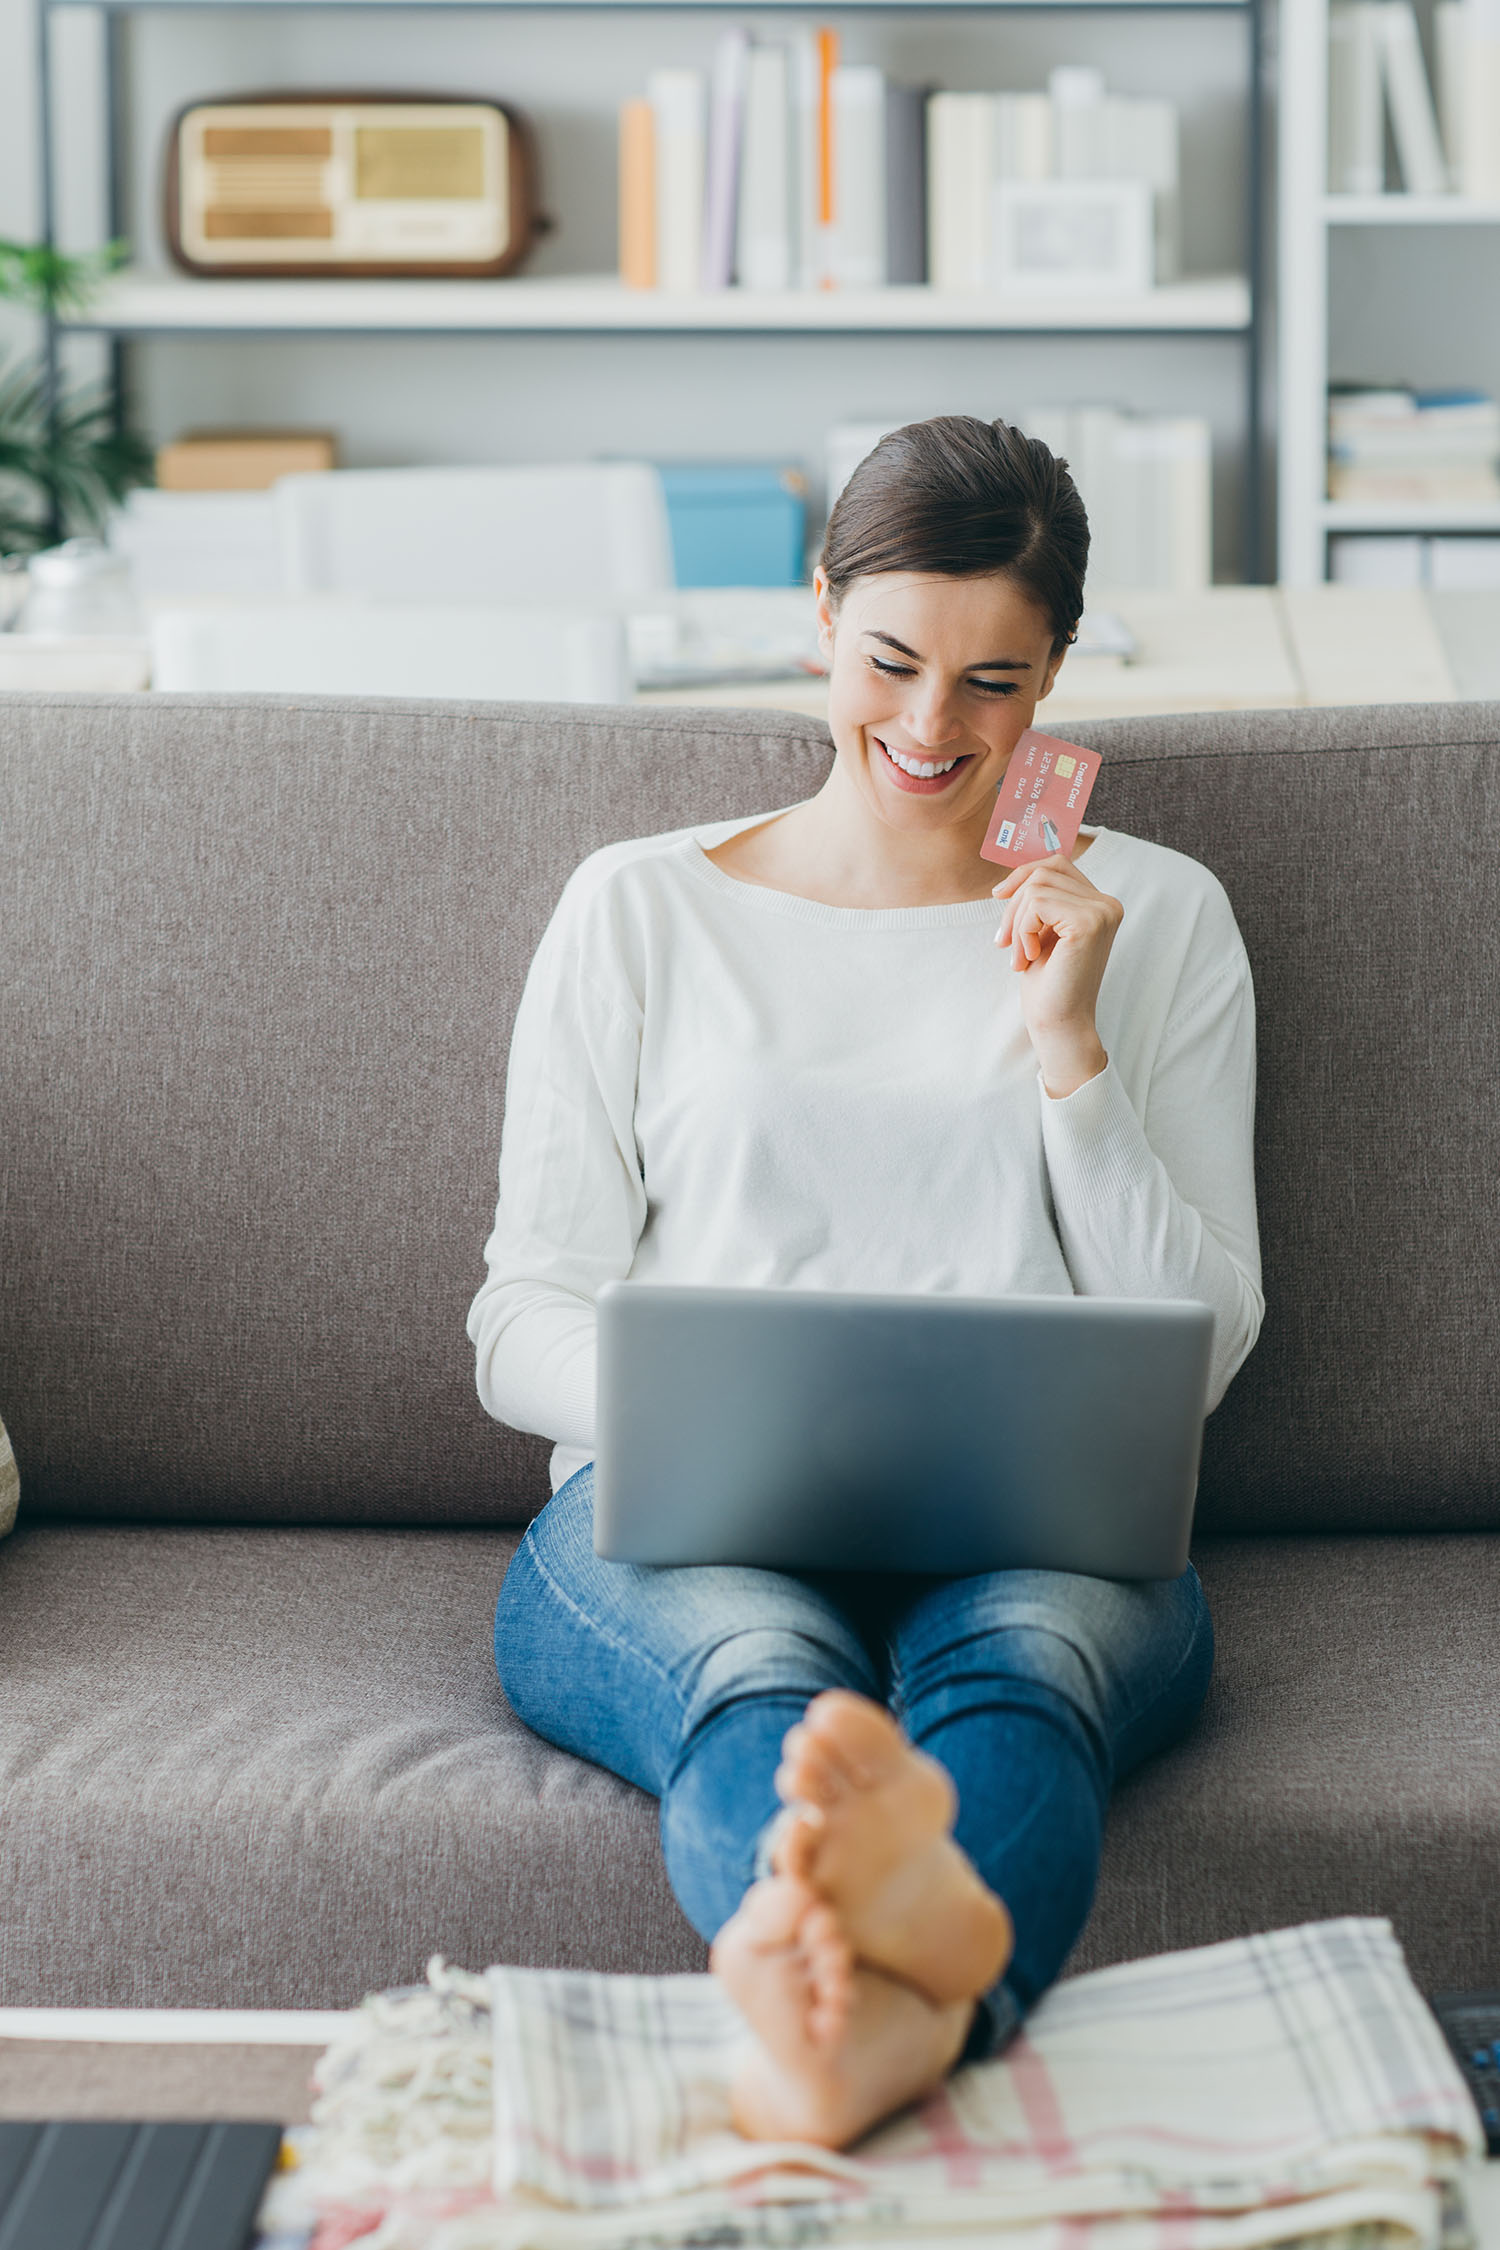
x,y
823,607
1054,666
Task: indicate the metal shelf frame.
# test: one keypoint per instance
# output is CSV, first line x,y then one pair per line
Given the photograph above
x,y
1250,337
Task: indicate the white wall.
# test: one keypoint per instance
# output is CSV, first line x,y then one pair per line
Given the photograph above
x,y
727,396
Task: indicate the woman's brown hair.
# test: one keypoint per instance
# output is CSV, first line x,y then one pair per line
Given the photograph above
x,y
959,498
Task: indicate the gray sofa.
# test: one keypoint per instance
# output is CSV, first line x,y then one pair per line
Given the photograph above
x,y
258,959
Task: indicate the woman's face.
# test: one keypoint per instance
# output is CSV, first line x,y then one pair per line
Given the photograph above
x,y
941,675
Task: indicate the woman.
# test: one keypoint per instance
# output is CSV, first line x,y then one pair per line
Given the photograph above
x,y
787,1052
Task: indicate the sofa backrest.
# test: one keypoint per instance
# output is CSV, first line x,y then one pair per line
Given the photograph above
x,y
260,958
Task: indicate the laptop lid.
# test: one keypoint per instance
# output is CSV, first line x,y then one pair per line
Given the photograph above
x,y
809,1430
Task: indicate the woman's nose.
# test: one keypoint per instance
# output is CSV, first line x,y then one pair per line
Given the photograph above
x,y
931,717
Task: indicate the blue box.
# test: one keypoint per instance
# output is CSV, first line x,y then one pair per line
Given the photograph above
x,y
735,523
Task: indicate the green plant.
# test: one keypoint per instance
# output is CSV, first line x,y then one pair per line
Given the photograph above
x,y
64,461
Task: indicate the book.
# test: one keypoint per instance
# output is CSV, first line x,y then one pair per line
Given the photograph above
x,y
678,101
1468,36
1146,482
1366,560
827,44
808,243
1102,136
1150,128
960,169
857,243
1356,113
726,118
637,195
1023,137
1414,127
763,254
1076,93
1449,44
905,185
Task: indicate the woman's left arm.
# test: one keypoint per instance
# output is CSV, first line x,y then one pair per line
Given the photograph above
x,y
1153,1205
1164,1206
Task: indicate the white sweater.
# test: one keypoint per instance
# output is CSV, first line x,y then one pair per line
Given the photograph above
x,y
711,1082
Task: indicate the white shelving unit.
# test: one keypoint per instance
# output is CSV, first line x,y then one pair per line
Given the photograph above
x,y
147,303
1308,215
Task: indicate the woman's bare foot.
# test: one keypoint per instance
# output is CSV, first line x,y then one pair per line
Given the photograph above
x,y
869,1827
837,2046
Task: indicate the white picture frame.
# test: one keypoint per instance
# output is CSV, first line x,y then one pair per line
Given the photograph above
x,y
1073,238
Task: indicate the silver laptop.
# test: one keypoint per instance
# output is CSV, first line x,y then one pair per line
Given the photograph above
x,y
806,1430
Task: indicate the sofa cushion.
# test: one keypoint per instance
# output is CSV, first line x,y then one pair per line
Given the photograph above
x,y
261,956
273,1768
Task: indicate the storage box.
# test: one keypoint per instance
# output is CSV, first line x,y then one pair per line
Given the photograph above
x,y
736,523
241,460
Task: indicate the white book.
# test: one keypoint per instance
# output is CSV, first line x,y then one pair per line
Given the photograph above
x,y
960,170
1023,137
1479,132
679,100
763,255
726,120
1096,472
857,252
1368,560
1356,113
809,259
1183,448
1450,40
1414,126
1468,566
1151,131
1076,93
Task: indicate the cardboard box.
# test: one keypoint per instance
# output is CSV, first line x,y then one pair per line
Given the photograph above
x,y
241,460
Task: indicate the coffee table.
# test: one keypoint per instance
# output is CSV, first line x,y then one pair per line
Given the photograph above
x,y
192,2063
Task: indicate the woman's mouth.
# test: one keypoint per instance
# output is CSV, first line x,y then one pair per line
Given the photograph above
x,y
921,777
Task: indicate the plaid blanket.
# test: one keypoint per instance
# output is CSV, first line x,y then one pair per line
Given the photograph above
x,y
1258,2092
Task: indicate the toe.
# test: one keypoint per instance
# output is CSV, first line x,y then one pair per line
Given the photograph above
x,y
858,1736
770,1913
794,1848
808,1774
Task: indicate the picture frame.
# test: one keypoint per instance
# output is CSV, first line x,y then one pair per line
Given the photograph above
x,y
1073,238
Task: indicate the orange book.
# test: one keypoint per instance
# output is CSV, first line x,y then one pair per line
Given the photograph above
x,y
637,195
828,63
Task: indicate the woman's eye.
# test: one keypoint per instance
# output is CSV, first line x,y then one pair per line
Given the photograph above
x,y
892,671
996,687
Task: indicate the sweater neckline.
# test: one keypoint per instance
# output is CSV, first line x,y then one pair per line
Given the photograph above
x,y
958,914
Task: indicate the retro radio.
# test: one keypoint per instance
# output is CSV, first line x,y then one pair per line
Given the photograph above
x,y
345,184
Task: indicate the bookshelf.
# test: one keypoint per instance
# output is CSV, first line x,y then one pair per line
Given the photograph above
x,y
145,304
1311,221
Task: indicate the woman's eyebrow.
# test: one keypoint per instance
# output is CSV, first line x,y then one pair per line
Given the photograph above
x,y
985,664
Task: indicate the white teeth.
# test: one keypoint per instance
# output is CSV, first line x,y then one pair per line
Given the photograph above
x,y
915,766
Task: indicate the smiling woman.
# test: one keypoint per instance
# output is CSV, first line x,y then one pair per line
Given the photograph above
x,y
816,1050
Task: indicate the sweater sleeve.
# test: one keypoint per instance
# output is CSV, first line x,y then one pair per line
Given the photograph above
x,y
572,1200
1164,1205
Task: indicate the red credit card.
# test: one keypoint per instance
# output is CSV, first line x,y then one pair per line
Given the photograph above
x,y
1040,804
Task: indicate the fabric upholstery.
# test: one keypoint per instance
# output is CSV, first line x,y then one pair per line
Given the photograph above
x,y
261,957
264,1767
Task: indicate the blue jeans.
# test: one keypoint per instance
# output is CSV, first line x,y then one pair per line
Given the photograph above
x,y
1037,1690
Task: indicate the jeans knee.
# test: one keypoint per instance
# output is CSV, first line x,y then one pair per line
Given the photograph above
x,y
771,1661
